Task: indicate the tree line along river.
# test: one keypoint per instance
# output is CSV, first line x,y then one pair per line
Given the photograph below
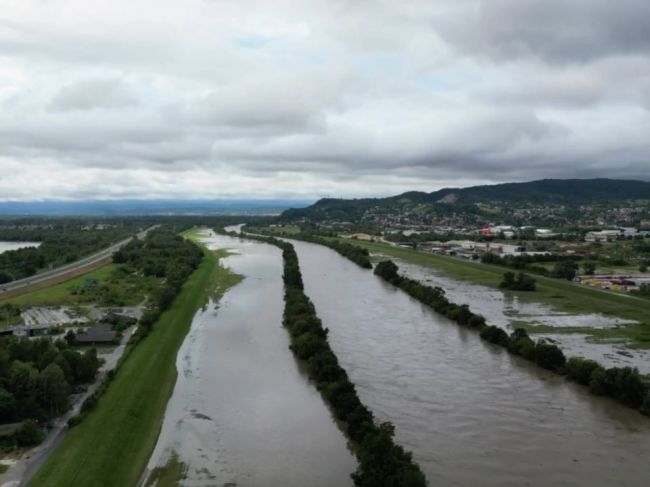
x,y
242,413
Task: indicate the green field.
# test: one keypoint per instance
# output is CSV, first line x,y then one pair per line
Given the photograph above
x,y
114,288
563,295
112,446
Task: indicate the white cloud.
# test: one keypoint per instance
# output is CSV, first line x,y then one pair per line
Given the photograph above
x,y
328,97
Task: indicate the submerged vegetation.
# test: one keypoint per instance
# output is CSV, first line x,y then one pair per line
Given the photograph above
x,y
520,282
381,461
624,384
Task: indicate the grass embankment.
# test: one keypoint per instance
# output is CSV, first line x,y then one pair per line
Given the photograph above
x,y
563,295
112,446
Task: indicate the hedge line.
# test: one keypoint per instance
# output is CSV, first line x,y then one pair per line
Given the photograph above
x,y
382,463
624,384
356,254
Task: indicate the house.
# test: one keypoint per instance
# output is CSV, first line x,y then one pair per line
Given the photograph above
x,y
361,236
101,333
602,236
544,233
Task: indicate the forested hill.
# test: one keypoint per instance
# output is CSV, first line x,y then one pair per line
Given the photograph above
x,y
569,192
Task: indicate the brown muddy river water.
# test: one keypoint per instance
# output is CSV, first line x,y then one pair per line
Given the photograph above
x,y
242,414
472,414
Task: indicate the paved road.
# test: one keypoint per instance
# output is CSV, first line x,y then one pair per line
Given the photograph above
x,y
72,268
26,467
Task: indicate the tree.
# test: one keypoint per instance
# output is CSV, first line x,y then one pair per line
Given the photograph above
x,y
29,434
643,267
7,405
53,390
589,268
565,269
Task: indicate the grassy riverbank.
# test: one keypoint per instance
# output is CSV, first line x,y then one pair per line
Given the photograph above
x,y
113,444
563,295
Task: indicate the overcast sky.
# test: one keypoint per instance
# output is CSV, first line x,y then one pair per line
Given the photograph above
x,y
311,98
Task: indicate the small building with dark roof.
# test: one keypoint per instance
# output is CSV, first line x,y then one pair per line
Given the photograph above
x,y
101,333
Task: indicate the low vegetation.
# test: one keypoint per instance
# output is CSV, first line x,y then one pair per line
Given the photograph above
x,y
520,282
115,440
358,255
625,384
381,461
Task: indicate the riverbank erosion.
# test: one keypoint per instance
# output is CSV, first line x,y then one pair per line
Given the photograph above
x,y
243,411
113,443
471,413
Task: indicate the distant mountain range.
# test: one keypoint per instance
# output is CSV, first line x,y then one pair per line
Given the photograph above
x,y
568,192
149,207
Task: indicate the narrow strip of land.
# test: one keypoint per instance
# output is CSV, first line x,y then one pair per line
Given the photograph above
x,y
564,295
113,444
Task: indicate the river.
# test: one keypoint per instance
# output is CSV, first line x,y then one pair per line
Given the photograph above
x,y
7,246
242,413
471,413
504,310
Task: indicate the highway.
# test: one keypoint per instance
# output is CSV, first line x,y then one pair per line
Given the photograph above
x,y
69,270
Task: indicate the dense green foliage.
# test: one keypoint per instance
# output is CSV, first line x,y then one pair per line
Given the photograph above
x,y
381,461
162,254
520,282
356,254
565,267
36,377
625,384
61,243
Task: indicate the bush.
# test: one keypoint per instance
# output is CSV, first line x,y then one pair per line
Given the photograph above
x,y
580,369
29,434
494,334
549,356
522,282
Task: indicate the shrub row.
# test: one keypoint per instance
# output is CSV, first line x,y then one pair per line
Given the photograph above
x,y
356,254
624,384
381,461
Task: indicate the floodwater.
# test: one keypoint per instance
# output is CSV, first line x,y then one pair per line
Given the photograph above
x,y
6,246
471,413
505,310
242,413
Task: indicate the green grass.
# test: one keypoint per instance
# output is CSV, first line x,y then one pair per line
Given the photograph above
x,y
112,446
563,295
113,289
61,293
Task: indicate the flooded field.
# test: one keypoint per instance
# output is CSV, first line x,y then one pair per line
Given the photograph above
x,y
241,413
505,311
6,246
471,413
